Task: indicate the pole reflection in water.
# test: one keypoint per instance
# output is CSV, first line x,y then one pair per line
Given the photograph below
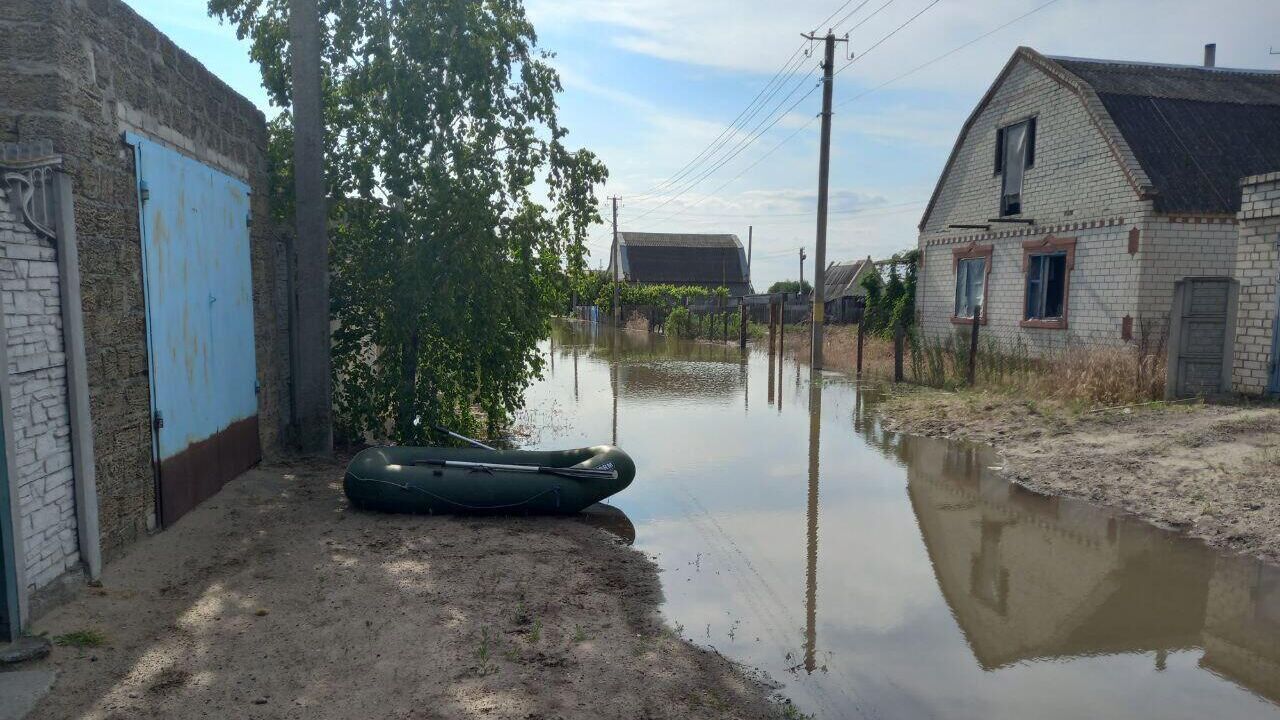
x,y
811,517
951,593
575,373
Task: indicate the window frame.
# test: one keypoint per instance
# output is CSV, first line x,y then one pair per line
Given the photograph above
x,y
1028,160
972,251
1049,245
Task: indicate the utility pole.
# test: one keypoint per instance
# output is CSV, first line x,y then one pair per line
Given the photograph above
x,y
800,289
617,266
750,232
312,389
824,172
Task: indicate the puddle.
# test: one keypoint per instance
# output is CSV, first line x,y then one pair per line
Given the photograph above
x,y
881,575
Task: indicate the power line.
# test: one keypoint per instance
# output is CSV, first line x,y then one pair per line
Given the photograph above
x,y
895,31
947,54
720,139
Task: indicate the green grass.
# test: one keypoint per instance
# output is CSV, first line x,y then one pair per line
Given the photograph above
x,y
81,639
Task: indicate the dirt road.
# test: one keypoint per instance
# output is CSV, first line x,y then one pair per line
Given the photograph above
x,y
276,600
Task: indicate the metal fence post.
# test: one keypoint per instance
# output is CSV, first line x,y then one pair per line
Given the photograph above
x,y
973,345
899,336
862,335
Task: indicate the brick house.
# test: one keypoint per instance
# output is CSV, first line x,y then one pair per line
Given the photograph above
x,y
1094,202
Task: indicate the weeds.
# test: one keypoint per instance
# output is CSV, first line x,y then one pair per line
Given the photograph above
x,y
483,655
535,633
579,634
81,639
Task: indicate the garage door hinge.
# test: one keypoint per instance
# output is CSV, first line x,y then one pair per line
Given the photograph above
x,y
144,191
159,421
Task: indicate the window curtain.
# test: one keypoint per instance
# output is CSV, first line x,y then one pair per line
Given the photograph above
x,y
1015,157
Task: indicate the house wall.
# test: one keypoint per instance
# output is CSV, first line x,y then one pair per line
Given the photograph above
x,y
1171,249
1075,189
80,73
38,410
1256,263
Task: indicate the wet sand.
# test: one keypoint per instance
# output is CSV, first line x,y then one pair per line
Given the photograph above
x,y
1212,471
276,600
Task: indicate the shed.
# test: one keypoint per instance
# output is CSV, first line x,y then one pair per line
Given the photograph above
x,y
843,292
696,260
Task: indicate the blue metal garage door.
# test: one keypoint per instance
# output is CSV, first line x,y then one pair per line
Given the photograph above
x,y
199,298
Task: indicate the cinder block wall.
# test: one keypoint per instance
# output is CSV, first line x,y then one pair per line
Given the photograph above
x,y
1176,248
1075,189
1256,267
80,73
39,414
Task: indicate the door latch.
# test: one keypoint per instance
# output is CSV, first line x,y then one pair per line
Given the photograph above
x,y
158,423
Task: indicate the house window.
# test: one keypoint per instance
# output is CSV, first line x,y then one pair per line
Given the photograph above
x,y
1047,265
1015,152
1046,286
971,277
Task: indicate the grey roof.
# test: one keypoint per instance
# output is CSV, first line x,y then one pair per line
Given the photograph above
x,y
646,239
1184,135
840,277
684,259
1195,131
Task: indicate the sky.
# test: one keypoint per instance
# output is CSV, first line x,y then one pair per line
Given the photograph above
x,y
650,84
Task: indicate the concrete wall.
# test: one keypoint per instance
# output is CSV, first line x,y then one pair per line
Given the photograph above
x,y
1256,265
1075,189
80,73
38,410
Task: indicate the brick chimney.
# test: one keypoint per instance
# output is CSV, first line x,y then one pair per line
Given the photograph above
x,y
1210,55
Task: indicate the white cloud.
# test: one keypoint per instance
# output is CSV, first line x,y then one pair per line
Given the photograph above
x,y
758,35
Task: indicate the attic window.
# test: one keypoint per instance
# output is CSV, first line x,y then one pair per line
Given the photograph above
x,y
1015,152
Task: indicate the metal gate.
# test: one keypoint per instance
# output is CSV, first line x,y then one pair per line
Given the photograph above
x,y
1200,341
1274,386
199,300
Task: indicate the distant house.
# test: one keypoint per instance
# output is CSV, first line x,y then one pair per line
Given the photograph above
x,y
708,261
844,295
1096,202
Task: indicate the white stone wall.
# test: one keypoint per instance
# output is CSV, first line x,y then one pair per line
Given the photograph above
x,y
38,393
1075,189
1175,248
1256,264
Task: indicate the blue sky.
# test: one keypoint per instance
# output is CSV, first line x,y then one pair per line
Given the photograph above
x,y
650,83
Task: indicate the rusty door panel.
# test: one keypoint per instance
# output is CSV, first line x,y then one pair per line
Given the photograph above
x,y
199,299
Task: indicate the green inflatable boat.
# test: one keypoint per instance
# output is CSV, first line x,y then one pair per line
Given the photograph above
x,y
474,480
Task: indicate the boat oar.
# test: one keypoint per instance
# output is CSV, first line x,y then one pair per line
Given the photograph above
x,y
463,438
570,472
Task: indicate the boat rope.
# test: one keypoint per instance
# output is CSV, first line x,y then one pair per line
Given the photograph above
x,y
465,506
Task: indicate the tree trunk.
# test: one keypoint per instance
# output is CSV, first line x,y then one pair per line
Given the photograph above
x,y
312,384
406,408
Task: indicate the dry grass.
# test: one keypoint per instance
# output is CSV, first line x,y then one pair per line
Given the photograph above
x,y
1082,377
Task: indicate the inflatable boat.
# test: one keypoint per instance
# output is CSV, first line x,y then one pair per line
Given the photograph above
x,y
476,480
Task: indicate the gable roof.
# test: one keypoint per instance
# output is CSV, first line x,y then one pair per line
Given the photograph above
x,y
841,278
1184,135
683,258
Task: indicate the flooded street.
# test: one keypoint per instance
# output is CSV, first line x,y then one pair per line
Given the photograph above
x,y
887,576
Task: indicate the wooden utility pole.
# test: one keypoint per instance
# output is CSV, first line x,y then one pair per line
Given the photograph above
x,y
617,266
312,390
824,172
862,335
899,349
750,232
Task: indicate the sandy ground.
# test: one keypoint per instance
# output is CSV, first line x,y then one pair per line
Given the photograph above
x,y
1212,471
276,600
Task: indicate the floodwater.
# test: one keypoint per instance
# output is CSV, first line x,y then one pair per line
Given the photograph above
x,y
881,575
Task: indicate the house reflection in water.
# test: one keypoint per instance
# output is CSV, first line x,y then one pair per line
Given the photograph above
x,y
1031,578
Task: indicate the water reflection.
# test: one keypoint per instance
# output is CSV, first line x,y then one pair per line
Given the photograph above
x,y
931,587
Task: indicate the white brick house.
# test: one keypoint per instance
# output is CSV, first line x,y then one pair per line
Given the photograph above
x,y
1082,194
